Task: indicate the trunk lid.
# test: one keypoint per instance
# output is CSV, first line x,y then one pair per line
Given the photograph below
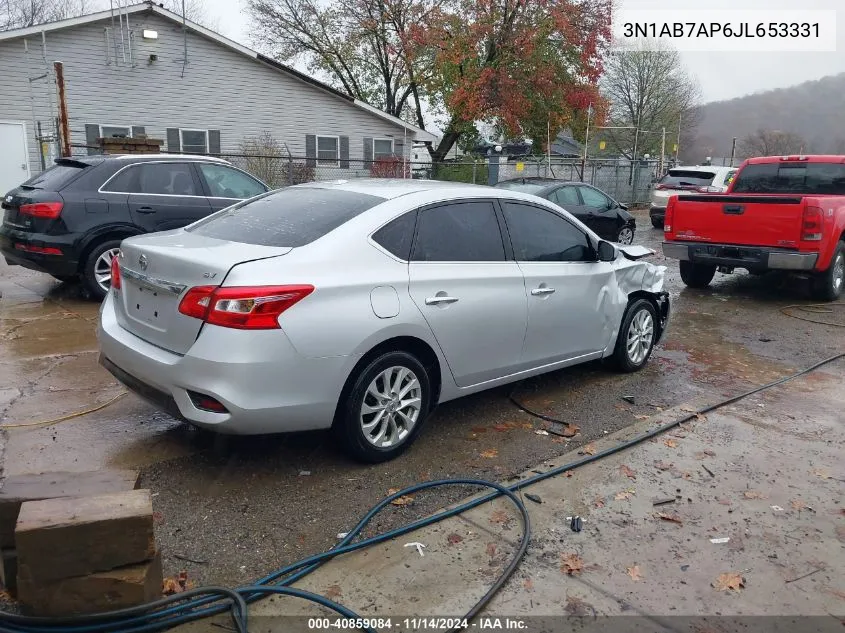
x,y
157,270
744,220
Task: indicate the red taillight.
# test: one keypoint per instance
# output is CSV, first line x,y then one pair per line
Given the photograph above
x,y
667,217
242,307
50,210
40,250
115,274
811,224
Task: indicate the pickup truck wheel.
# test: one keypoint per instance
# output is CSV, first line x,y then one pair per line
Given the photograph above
x,y
697,275
657,223
828,285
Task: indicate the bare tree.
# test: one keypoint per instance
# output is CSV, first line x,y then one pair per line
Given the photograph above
x,y
648,89
770,143
17,14
195,11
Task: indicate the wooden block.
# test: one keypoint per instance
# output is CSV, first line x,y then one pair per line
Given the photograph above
x,y
76,536
36,486
9,570
116,589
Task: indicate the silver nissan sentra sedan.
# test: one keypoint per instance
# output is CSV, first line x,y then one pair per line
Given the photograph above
x,y
360,305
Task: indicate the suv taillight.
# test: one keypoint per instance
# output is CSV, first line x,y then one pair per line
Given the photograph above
x,y
50,210
242,307
811,224
115,274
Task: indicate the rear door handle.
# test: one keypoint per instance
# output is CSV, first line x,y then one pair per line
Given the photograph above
x,y
145,210
539,292
440,300
733,209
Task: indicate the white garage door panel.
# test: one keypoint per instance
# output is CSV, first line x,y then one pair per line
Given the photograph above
x,y
14,162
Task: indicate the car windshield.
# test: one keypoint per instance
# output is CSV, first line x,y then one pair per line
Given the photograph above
x,y
293,216
687,178
792,177
525,187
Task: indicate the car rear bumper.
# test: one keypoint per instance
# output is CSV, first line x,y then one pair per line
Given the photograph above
x,y
265,385
63,265
748,257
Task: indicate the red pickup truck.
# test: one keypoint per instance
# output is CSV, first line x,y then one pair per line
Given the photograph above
x,y
780,213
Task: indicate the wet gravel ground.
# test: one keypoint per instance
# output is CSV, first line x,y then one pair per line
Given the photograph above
x,y
231,511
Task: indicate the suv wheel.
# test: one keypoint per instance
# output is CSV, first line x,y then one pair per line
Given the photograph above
x,y
828,286
697,275
96,275
636,336
385,408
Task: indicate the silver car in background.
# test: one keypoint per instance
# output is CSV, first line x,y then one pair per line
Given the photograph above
x,y
360,305
690,179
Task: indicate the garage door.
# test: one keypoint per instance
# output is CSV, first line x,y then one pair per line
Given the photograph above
x,y
14,162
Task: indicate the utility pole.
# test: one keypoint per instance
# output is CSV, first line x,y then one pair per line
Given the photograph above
x,y
586,143
678,144
634,157
662,151
64,126
733,151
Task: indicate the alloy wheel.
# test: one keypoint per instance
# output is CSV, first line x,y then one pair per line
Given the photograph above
x,y
640,336
391,407
626,235
102,268
838,272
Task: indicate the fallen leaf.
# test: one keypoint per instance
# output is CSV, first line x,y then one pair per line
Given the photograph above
x,y
688,409
670,443
673,518
799,504
631,474
491,549
176,584
559,440
402,501
663,466
571,430
599,502
453,538
528,584
625,494
754,494
731,580
333,592
641,417
701,417
634,572
499,516
569,473
822,473
490,453
527,426
571,564
589,449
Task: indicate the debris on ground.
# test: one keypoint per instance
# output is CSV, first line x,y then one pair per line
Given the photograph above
x,y
630,399
304,473
670,442
571,564
729,581
672,518
589,449
754,494
634,572
541,432
533,497
176,584
576,524
399,501
454,538
625,494
628,472
490,453
664,501
419,547
719,541
333,592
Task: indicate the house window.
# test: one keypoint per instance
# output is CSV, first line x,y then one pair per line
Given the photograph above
x,y
193,141
327,150
382,148
115,131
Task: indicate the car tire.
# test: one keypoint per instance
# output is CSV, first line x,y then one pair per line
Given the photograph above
x,y
625,235
637,335
829,285
697,275
93,269
657,223
372,428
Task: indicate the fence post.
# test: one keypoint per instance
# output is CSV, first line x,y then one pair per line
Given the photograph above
x,y
474,169
290,169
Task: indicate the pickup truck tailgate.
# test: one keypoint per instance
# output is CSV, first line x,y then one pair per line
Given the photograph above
x,y
759,220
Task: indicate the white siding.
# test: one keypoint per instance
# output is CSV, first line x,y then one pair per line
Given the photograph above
x,y
221,89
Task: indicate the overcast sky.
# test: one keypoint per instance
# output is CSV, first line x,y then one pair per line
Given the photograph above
x,y
722,75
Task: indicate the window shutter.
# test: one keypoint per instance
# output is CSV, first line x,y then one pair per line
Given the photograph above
x,y
310,150
344,152
173,140
368,151
92,133
399,147
214,142
139,131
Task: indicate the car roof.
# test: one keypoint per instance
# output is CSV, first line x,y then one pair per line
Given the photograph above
x,y
390,188
533,179
96,159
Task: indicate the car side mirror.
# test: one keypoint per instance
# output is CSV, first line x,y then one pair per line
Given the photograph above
x,y
624,207
606,251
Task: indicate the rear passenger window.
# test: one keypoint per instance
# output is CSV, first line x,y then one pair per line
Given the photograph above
x,y
173,179
397,236
460,232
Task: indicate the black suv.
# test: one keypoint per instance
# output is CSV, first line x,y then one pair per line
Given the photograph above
x,y
69,220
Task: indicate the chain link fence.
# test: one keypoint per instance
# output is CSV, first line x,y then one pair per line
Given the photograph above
x,y
627,182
